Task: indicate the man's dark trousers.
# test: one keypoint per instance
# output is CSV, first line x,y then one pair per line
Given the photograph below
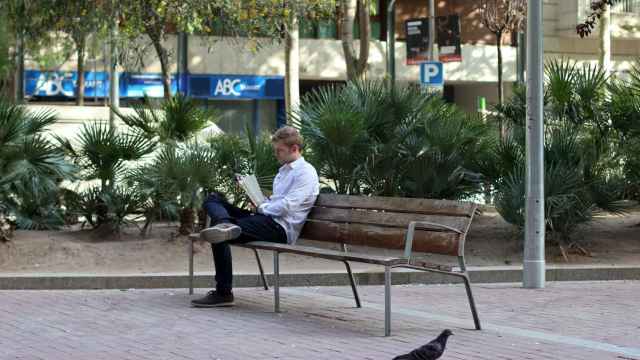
x,y
255,227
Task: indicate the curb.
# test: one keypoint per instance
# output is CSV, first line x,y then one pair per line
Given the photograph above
x,y
50,281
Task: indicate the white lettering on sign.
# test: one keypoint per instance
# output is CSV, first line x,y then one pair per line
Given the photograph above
x,y
431,71
51,85
227,87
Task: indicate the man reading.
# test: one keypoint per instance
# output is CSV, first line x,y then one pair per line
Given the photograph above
x,y
279,219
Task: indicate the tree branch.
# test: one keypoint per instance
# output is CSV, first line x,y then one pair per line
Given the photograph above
x,y
597,8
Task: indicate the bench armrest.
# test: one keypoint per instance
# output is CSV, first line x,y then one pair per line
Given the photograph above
x,y
411,229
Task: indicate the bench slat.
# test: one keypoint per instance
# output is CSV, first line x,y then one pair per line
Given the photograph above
x,y
326,253
391,219
446,243
405,205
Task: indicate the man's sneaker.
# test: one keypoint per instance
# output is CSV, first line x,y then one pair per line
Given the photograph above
x,y
214,299
220,232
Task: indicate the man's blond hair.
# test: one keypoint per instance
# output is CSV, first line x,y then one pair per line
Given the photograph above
x,y
289,136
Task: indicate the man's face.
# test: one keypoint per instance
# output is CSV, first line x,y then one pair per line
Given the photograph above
x,y
285,154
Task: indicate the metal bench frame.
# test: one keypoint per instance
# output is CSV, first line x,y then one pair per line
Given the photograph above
x,y
406,261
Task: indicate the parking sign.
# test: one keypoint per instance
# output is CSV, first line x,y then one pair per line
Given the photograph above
x,y
432,73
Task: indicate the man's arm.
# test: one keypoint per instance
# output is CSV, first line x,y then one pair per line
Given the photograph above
x,y
304,189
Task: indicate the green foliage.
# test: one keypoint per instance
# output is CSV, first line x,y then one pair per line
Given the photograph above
x,y
108,208
336,132
105,154
574,190
624,108
6,64
581,152
271,19
262,162
176,120
31,168
367,137
31,21
242,155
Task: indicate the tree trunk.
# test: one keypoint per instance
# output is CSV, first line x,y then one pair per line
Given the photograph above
x,y
500,85
364,22
164,64
114,83
499,48
356,66
19,74
292,69
347,18
605,39
80,50
187,219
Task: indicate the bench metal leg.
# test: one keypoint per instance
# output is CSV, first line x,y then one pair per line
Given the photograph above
x,y
264,278
472,304
191,267
351,278
387,301
353,284
467,285
276,281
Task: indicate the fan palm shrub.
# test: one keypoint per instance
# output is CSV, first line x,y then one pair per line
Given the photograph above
x,y
177,119
104,155
624,109
580,154
248,154
31,169
368,137
173,182
181,168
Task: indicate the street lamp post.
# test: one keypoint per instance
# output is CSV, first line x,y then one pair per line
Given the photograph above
x,y
534,262
391,42
114,86
432,30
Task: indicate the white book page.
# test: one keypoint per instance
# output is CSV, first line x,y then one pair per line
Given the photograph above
x,y
249,184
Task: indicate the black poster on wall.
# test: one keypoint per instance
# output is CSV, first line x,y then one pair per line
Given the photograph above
x,y
417,34
448,38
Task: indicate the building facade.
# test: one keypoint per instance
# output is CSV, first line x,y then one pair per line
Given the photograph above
x,y
247,85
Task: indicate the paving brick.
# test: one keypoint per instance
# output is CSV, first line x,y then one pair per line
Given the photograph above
x,y
582,320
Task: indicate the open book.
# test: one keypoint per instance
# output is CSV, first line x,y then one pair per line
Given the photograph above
x,y
249,183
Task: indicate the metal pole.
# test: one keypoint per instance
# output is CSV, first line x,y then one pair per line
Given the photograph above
x,y
114,86
105,70
432,29
387,301
95,67
534,262
391,41
183,63
521,56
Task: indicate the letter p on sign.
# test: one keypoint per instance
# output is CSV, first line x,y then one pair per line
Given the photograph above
x,y
432,73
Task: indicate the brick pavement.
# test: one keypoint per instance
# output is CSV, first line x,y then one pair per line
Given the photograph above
x,y
581,320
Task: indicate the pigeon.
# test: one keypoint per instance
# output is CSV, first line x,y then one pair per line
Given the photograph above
x,y
431,351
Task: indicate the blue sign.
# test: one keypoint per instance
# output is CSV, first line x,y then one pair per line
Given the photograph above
x,y
138,85
432,73
236,87
64,83
132,85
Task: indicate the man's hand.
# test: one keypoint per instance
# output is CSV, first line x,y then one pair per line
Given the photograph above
x,y
252,208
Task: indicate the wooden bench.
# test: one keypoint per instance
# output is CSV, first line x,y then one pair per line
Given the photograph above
x,y
422,226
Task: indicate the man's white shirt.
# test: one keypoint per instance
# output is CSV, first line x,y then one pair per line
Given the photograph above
x,y
295,190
